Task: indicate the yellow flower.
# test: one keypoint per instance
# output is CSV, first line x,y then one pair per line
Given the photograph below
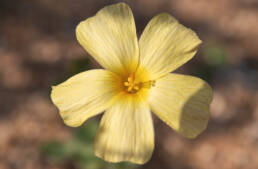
x,y
137,80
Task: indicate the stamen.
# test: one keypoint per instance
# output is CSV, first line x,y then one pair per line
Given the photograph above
x,y
129,89
136,87
126,83
153,83
148,84
130,78
132,87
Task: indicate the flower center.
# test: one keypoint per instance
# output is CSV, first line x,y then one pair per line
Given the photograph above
x,y
131,86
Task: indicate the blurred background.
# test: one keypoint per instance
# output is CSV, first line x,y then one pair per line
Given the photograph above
x,y
38,49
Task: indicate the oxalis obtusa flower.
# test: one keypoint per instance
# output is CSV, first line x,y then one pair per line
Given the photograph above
x,y
136,80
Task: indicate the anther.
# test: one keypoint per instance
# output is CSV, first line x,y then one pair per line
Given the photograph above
x,y
126,83
130,78
130,84
129,89
136,87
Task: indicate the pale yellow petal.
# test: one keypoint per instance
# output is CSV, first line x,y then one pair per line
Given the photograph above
x,y
110,37
182,102
165,45
126,132
84,95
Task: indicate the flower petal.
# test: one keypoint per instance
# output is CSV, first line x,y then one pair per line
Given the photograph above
x,y
126,132
110,37
182,102
165,45
84,95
